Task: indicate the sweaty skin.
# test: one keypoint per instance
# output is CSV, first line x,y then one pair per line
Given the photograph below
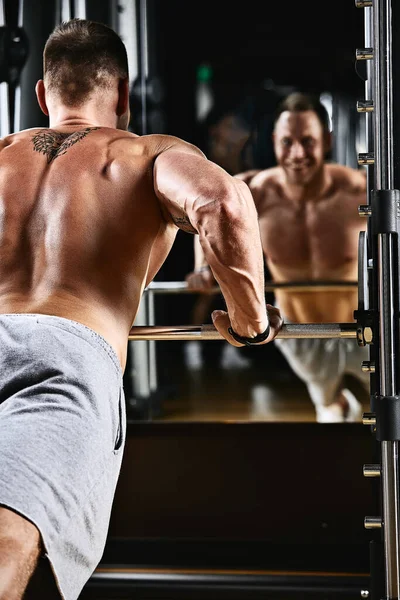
x,y
309,223
89,214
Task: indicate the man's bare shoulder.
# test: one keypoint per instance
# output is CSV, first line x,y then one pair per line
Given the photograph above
x,y
264,179
47,132
156,144
266,186
153,142
17,136
347,177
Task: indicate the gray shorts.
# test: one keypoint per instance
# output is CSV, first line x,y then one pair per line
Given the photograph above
x,y
62,433
322,364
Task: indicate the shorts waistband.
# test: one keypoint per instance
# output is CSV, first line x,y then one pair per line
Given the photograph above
x,y
74,327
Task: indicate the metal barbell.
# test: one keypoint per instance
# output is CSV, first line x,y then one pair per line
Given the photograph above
x,y
208,332
178,287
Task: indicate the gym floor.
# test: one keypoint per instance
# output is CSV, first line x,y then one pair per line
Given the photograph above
x,y
213,381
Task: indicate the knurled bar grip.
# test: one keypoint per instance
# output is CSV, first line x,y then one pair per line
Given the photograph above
x,y
208,332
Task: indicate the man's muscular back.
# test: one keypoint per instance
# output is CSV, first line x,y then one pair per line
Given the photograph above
x,y
309,237
82,230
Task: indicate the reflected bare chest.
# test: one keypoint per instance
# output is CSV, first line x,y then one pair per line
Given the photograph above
x,y
310,240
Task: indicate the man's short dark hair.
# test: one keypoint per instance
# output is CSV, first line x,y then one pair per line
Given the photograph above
x,y
80,56
299,102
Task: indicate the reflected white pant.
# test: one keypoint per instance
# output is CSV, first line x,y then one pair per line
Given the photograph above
x,y
322,363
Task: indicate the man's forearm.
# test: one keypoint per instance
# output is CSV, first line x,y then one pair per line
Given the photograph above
x,y
231,245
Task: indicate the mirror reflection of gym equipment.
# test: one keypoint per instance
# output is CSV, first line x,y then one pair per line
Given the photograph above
x,y
212,382
229,508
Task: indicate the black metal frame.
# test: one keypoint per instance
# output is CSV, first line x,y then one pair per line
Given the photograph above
x,y
382,28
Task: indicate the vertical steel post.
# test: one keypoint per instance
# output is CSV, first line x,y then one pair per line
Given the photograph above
x,y
80,9
152,343
387,286
140,369
5,128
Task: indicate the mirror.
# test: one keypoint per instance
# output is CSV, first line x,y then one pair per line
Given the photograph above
x,y
224,74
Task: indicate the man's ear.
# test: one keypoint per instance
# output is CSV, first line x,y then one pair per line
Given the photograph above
x,y
123,97
41,96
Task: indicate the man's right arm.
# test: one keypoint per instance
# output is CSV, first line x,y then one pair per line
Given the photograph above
x,y
200,197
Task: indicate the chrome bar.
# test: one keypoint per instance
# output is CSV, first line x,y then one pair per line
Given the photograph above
x,y
363,287
17,110
390,500
208,332
386,324
5,125
384,180
140,368
181,287
383,95
65,10
152,345
80,9
369,88
127,27
21,13
144,63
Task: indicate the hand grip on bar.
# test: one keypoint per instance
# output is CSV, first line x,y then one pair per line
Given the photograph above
x,y
208,332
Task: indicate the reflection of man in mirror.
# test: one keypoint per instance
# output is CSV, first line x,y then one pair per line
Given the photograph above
x,y
223,136
309,222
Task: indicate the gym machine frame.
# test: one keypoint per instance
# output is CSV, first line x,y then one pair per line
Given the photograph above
x,y
381,300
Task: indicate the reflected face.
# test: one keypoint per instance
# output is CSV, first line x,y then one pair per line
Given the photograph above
x,y
300,145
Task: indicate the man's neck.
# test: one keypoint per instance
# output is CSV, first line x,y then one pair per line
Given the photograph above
x,y
311,191
79,118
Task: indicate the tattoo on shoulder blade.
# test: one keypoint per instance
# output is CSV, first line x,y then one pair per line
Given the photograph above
x,y
184,223
54,144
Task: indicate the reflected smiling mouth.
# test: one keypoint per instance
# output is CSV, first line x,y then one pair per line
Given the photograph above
x,y
301,167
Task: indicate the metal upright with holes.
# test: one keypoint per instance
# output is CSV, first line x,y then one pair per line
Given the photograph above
x,y
382,28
